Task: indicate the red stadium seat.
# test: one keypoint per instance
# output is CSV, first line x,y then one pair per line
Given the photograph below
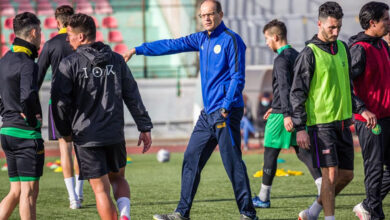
x,y
25,7
99,36
45,9
9,23
109,22
11,38
103,8
96,22
4,50
6,9
62,2
115,37
84,7
2,39
120,48
42,38
50,23
53,34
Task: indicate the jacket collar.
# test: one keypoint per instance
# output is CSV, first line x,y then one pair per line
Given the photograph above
x,y
62,31
221,28
22,46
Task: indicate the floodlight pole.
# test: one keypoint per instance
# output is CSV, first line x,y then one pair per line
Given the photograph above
x,y
144,35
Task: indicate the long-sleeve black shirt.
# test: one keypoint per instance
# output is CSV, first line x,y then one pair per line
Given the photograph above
x,y
18,88
282,77
91,87
52,53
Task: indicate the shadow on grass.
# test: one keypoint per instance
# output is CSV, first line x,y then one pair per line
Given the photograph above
x,y
232,199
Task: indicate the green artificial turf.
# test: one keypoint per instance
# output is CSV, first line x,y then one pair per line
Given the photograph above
x,y
155,188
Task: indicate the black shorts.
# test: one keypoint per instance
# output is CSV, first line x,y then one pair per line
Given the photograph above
x,y
95,162
25,157
332,146
53,132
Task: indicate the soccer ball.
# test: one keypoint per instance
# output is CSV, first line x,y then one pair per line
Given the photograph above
x,y
163,156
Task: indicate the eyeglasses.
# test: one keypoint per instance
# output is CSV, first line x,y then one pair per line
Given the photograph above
x,y
203,16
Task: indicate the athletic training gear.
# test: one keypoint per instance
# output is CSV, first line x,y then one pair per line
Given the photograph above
x,y
95,162
21,137
371,78
303,74
222,64
258,203
25,157
332,145
276,135
96,81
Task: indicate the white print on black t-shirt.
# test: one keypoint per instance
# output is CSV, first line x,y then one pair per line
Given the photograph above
x,y
99,72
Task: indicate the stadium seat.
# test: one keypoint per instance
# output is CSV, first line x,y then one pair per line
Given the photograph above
x,y
25,7
4,50
120,48
115,37
9,23
62,2
45,9
103,7
2,39
50,23
6,9
11,38
96,22
84,7
53,34
99,36
109,22
42,38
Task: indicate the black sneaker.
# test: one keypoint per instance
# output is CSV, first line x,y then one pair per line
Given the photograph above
x,y
244,217
173,216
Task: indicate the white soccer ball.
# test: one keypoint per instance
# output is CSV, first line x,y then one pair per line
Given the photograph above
x,y
163,156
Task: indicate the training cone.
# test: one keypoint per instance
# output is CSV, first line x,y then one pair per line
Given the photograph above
x,y
129,160
258,173
54,166
58,170
294,173
281,172
4,167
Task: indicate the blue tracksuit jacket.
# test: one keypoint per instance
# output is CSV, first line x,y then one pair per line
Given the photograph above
x,y
222,64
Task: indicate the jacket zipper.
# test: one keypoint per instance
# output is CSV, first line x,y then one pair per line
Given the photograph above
x,y
207,58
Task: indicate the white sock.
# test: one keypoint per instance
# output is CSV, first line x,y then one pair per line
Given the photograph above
x,y
264,193
79,186
69,183
329,217
318,183
315,209
123,204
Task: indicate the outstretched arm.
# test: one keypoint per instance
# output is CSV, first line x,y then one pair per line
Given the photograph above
x,y
166,47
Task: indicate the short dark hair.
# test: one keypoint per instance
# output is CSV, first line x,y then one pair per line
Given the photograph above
x,y
276,27
85,24
63,14
24,23
372,11
218,5
330,9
